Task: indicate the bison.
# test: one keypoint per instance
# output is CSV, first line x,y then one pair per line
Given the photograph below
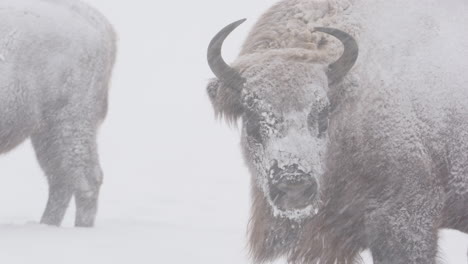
x,y
354,127
56,59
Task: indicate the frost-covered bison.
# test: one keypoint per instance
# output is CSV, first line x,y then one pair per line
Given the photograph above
x,y
56,58
355,127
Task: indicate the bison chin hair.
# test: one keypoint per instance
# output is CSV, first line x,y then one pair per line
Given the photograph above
x,y
334,235
323,238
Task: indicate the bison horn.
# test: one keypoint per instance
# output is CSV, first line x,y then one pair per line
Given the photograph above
x,y
219,67
338,70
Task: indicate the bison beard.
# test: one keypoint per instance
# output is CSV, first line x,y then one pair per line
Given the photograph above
x,y
335,233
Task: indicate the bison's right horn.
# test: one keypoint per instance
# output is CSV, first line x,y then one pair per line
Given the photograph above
x,y
338,70
224,72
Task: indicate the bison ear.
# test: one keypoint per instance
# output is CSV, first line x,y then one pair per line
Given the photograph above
x,y
225,100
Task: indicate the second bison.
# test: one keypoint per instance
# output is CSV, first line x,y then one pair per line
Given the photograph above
x,y
56,59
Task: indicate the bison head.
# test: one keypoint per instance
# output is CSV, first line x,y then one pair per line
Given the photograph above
x,y
284,106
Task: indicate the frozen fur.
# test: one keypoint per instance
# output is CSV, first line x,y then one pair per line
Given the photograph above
x,y
393,165
56,59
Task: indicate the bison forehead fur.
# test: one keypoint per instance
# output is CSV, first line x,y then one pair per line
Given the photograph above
x,y
393,146
56,58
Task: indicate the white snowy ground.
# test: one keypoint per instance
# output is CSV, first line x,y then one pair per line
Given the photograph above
x,y
176,190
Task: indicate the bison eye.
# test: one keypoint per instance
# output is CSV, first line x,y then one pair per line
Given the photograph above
x,y
318,122
253,127
323,121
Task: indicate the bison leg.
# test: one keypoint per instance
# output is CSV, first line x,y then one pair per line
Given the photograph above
x,y
456,213
60,194
86,198
67,153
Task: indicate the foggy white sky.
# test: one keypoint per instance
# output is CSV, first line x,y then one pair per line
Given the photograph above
x,y
175,185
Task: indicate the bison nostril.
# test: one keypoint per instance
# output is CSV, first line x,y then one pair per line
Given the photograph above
x,y
274,164
274,169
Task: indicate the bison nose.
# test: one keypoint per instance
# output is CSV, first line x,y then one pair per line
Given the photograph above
x,y
288,171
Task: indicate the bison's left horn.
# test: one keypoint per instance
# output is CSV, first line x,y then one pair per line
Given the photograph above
x,y
338,70
224,72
